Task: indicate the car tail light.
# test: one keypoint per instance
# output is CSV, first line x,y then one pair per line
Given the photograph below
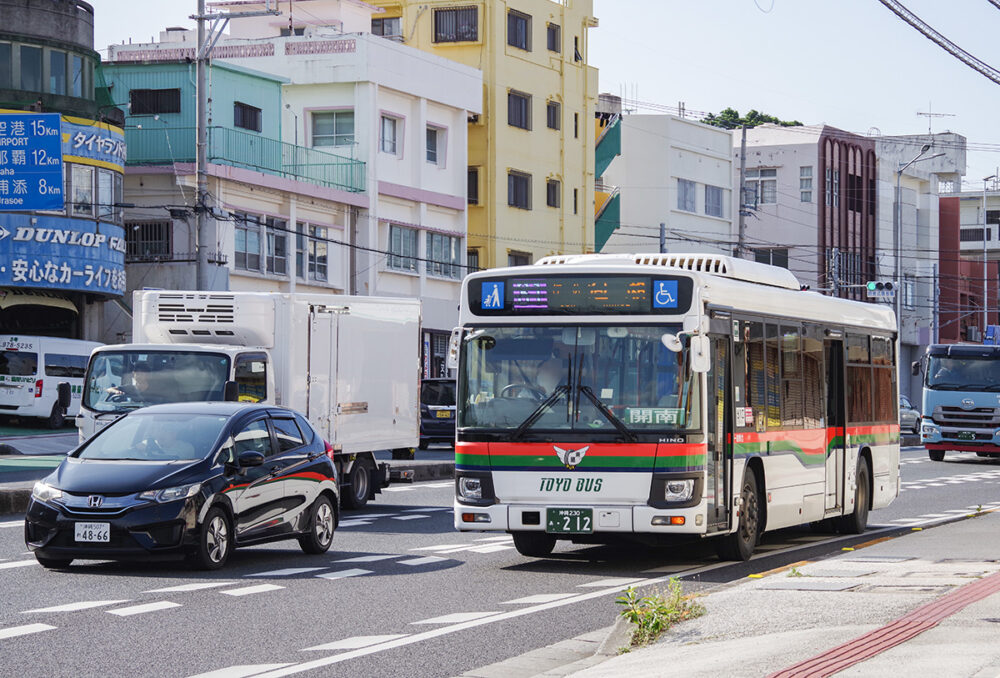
x,y
38,388
329,450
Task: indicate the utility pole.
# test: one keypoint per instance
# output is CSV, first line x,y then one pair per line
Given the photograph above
x,y
663,237
935,319
741,243
834,267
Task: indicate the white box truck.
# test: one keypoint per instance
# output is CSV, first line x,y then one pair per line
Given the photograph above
x,y
349,364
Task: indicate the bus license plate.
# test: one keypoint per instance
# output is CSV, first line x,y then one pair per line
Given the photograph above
x,y
569,521
966,435
92,532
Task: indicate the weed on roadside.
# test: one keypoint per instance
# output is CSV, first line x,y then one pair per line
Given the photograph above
x,y
794,572
654,614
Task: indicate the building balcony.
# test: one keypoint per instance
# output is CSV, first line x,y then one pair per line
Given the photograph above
x,y
168,145
609,142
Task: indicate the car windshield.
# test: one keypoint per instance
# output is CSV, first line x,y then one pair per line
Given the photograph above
x,y
963,373
596,379
157,437
126,380
438,393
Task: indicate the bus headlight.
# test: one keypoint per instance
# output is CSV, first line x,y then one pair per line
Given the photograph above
x,y
470,488
679,490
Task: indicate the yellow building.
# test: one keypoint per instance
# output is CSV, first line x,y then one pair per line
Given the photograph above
x,y
531,153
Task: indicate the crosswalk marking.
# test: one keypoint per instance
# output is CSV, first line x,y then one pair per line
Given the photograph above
x,y
241,671
17,563
343,574
412,516
12,523
456,618
504,538
142,609
354,523
368,559
14,631
426,560
609,582
354,643
197,586
73,607
250,590
286,572
539,598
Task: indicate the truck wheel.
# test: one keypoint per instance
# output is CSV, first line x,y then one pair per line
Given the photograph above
x,y
534,544
740,544
356,494
57,418
936,455
857,521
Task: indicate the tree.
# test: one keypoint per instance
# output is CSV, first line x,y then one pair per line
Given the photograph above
x,y
729,118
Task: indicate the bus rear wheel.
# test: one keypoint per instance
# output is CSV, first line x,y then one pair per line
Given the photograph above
x,y
936,455
534,544
740,544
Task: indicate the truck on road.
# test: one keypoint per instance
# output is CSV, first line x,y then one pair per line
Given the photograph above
x,y
349,364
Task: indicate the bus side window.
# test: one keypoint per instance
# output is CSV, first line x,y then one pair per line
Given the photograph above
x,y
251,377
814,382
755,372
773,376
859,380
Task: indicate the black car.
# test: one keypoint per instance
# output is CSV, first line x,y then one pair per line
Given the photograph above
x,y
190,480
437,411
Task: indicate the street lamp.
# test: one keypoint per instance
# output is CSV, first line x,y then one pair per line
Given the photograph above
x,y
982,333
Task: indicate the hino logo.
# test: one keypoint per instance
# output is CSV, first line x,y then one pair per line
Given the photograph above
x,y
571,457
95,501
968,402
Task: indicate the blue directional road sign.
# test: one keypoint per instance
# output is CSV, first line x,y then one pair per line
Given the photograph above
x,y
31,169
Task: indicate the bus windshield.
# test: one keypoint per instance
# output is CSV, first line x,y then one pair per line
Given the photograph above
x,y
126,380
963,373
575,378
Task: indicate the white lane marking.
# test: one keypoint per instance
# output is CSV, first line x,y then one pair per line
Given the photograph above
x,y
507,538
491,548
412,516
426,560
455,618
610,581
372,516
368,559
343,574
14,631
286,572
17,563
250,590
933,515
142,609
73,607
429,508
397,489
353,523
540,598
441,547
241,671
12,523
197,586
355,642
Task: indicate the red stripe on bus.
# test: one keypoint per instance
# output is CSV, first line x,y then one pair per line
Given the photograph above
x,y
594,449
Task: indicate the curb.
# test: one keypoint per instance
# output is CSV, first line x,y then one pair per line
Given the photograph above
x,y
14,500
426,470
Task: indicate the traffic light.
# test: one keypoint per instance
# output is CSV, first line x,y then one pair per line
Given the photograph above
x,y
881,289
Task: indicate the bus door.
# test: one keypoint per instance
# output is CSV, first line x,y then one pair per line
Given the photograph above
x,y
835,420
718,433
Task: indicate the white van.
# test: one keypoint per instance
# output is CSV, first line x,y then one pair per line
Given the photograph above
x,y
30,371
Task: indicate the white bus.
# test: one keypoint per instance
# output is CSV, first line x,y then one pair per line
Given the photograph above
x,y
30,371
601,396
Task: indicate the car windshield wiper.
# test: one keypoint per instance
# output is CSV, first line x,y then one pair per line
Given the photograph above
x,y
609,415
537,413
946,385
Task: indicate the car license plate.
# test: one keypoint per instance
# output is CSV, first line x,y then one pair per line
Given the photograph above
x,y
443,414
966,435
93,532
569,520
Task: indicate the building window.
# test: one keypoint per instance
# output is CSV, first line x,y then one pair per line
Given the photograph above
x,y
805,184
553,37
472,261
762,186
387,134
777,256
574,199
247,247
713,201
472,191
518,259
519,190
444,254
82,187
519,109
836,188
246,116
294,30
105,194
576,49
553,189
387,28
6,79
973,234
402,248
311,252
576,125
57,72
909,292
147,241
686,195
432,145
31,68
333,128
154,101
552,114
518,30
76,88
458,24
277,246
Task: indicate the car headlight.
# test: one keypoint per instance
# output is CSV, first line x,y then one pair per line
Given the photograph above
x,y
470,488
45,492
679,490
171,493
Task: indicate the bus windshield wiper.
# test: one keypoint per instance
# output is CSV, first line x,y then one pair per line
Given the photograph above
x,y
608,414
534,416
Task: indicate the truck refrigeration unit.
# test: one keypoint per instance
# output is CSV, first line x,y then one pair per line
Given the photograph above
x,y
349,364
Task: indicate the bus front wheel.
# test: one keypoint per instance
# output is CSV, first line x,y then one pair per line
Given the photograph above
x,y
534,544
857,521
740,544
936,455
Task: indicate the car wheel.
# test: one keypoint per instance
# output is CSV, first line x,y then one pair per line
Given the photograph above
x,y
322,522
936,455
740,544
534,544
53,563
857,521
356,494
215,541
57,418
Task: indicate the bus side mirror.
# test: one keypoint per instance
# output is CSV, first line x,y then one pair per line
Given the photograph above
x,y
915,368
231,392
701,355
63,395
451,361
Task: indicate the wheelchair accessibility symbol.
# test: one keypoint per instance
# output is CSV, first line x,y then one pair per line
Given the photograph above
x,y
664,294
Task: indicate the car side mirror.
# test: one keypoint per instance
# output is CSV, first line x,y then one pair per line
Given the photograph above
x,y
231,392
249,458
64,394
915,368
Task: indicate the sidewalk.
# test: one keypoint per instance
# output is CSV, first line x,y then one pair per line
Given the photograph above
x,y
926,603
53,443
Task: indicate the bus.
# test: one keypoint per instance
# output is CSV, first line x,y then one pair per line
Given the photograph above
x,y
656,396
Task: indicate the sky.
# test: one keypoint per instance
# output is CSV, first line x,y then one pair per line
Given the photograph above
x,y
851,64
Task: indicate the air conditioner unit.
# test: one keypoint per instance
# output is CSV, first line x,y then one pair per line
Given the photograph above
x,y
972,333
474,118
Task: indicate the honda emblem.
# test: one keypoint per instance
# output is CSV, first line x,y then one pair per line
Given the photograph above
x,y
95,501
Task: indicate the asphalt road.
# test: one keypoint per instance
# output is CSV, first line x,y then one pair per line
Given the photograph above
x,y
400,593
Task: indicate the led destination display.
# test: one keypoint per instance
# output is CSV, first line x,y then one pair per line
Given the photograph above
x,y
580,295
